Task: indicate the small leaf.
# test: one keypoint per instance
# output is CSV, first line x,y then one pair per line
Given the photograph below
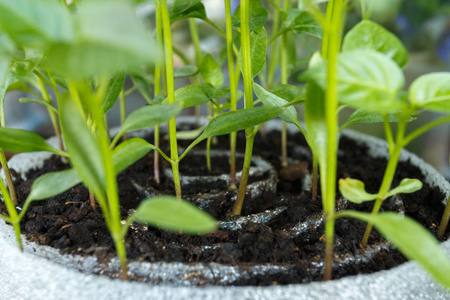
x,y
180,6
270,100
411,239
431,91
52,184
31,100
211,71
366,80
190,134
196,11
288,92
258,15
369,35
186,71
149,116
191,95
354,190
115,86
406,186
239,120
258,47
361,116
213,92
168,213
18,140
301,21
128,152
143,85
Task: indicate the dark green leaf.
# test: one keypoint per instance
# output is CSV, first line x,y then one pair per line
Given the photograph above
x,y
31,100
371,36
288,92
406,186
354,190
258,47
186,71
211,71
143,85
18,140
191,95
196,11
301,21
413,240
361,116
258,15
431,91
168,213
180,6
214,93
115,86
128,152
52,184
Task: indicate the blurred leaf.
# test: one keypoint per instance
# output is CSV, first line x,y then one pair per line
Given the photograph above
x,y
431,91
143,85
406,186
31,100
18,140
371,36
288,92
213,92
258,15
366,80
186,71
412,240
190,134
301,21
258,47
361,116
354,190
7,46
180,6
196,11
191,95
115,86
211,71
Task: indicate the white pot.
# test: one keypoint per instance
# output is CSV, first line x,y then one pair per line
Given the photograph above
x,y
40,272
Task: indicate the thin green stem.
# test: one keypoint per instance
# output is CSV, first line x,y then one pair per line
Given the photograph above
x,y
157,90
388,132
425,128
445,219
274,50
315,177
181,55
276,5
284,80
123,110
12,212
198,59
9,181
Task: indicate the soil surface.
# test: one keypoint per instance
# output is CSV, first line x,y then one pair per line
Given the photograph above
x,y
67,222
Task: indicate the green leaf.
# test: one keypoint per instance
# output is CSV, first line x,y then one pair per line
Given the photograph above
x,y
431,91
52,184
186,71
406,186
371,36
84,150
168,213
128,152
239,120
190,134
196,11
361,116
301,21
115,86
7,46
288,92
258,15
213,92
258,47
366,80
191,95
27,22
354,190
143,85
31,100
211,71
109,38
149,116
270,100
180,6
411,239
18,140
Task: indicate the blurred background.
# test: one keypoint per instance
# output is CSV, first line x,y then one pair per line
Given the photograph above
x,y
422,25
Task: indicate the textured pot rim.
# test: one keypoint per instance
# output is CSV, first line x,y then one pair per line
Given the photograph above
x,y
50,280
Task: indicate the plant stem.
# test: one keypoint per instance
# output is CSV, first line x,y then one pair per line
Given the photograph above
x,y
9,181
198,58
171,95
388,132
274,51
444,220
315,178
284,80
12,212
123,111
157,90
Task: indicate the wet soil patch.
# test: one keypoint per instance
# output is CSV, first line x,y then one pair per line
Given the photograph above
x,y
68,223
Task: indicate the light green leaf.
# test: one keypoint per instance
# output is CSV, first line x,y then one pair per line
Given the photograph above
x,y
301,21
186,71
431,91
406,186
115,86
142,83
211,71
366,80
166,212
354,190
18,140
191,95
369,35
361,116
196,11
288,92
258,15
128,152
180,6
52,184
31,100
190,134
84,150
258,47
28,23
7,46
411,239
270,100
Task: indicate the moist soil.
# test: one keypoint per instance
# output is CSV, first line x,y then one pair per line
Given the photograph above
x,y
67,222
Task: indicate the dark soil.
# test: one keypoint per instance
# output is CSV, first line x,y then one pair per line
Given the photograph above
x,y
67,222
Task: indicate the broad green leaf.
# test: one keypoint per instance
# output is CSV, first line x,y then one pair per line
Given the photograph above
x,y
142,83
115,86
366,80
84,150
406,186
361,116
149,116
215,93
27,22
211,71
239,120
7,46
128,152
18,140
258,47
52,184
109,38
270,100
431,91
301,21
354,190
31,100
186,71
371,36
191,95
190,134
288,92
196,11
168,213
180,6
258,15
411,239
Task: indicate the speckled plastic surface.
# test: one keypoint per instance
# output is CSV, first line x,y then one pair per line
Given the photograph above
x,y
42,273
